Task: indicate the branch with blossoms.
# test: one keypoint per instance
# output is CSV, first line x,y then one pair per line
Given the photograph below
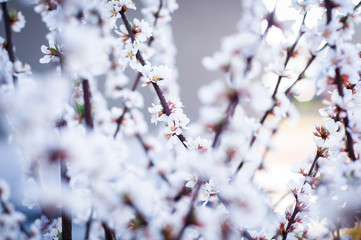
x,y
139,75
109,176
289,54
155,78
13,21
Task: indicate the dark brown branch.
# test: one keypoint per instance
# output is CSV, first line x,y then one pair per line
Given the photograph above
x,y
9,40
65,215
329,6
88,225
349,140
87,104
109,233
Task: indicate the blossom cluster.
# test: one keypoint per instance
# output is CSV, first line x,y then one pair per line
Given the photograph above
x,y
82,140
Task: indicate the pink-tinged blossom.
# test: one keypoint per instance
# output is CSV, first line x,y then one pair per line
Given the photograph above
x,y
21,68
141,29
85,57
209,191
199,143
10,218
115,82
157,74
53,230
191,181
53,51
175,124
304,6
330,31
131,98
128,56
17,20
157,113
119,4
344,6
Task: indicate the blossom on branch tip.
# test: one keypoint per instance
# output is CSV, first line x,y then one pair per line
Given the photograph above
x,y
141,30
191,181
303,5
51,51
17,20
119,5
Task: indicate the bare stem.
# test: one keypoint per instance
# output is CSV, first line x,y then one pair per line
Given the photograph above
x,y
109,233
65,215
88,225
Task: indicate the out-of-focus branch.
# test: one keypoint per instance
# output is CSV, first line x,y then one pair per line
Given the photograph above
x,y
87,104
9,40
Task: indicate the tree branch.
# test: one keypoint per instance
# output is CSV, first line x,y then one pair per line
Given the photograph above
x,y
9,40
87,104
159,92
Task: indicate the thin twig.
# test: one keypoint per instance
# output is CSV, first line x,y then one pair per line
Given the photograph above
x,y
109,233
88,225
233,102
65,215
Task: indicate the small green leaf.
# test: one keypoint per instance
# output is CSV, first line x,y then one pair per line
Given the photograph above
x,y
80,108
